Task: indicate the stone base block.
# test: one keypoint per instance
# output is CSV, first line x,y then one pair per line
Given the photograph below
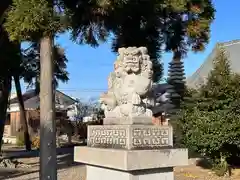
x,y
99,173
10,140
130,136
129,121
131,160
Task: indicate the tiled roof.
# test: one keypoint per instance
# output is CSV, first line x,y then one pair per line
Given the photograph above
x,y
27,95
233,50
32,100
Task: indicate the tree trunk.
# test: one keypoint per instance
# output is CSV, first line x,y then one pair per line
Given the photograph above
x,y
37,85
23,118
5,89
48,169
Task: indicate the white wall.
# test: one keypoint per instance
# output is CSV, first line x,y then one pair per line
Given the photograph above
x,y
13,108
87,119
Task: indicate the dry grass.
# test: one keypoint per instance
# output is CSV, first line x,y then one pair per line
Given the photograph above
x,y
193,172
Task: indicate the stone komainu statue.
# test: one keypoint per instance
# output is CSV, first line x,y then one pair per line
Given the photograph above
x,y
129,85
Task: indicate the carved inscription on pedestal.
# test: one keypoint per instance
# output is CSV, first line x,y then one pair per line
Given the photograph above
x,y
129,136
152,137
107,137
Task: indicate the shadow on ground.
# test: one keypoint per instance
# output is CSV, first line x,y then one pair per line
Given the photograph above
x,y
204,163
12,173
16,152
64,161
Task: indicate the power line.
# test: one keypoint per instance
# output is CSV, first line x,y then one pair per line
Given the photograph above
x,y
75,89
83,90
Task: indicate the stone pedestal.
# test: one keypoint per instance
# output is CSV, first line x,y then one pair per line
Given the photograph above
x,y
109,164
98,173
130,152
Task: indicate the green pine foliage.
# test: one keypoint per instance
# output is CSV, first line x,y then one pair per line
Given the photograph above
x,y
168,25
209,118
30,66
29,19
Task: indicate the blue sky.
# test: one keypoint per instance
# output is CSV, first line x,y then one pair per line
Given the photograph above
x,y
89,67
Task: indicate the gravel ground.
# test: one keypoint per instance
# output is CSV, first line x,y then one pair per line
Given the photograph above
x,y
67,169
78,173
71,173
